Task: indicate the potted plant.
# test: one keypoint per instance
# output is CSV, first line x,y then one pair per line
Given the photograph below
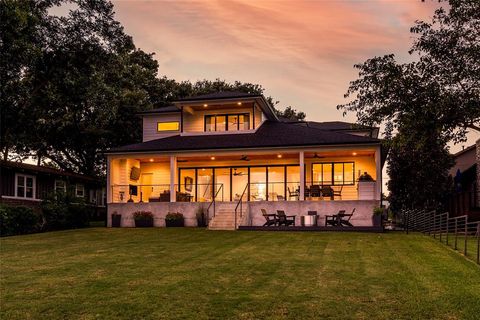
x,y
116,219
174,219
143,219
201,217
377,217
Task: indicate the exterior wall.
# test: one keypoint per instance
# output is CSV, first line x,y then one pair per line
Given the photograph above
x,y
150,125
478,172
361,217
464,161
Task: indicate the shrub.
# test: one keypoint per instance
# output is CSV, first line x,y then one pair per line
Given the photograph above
x,y
174,216
378,211
143,215
64,211
18,220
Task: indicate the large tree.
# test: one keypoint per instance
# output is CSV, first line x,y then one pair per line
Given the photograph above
x,y
426,103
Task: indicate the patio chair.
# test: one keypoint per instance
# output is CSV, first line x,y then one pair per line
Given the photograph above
x,y
327,191
270,219
293,194
315,191
284,219
333,220
346,222
280,198
338,193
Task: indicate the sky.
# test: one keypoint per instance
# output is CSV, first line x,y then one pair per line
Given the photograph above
x,y
301,52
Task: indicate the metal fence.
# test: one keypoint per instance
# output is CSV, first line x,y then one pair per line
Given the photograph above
x,y
456,232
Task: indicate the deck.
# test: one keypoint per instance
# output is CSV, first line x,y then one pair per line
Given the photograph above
x,y
318,228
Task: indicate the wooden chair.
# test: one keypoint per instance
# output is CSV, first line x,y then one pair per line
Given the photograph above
x,y
327,191
292,194
284,219
333,220
280,198
270,219
346,222
315,191
338,193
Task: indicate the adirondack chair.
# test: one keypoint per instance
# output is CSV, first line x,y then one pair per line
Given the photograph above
x,y
333,220
270,219
284,219
346,222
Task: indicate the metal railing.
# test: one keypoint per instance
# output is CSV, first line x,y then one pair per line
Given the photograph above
x,y
240,205
457,232
214,202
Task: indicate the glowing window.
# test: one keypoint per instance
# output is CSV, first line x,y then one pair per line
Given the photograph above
x,y
168,126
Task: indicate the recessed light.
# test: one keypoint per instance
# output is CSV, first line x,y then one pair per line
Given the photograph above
x,y
239,103
151,160
212,158
354,153
205,105
279,155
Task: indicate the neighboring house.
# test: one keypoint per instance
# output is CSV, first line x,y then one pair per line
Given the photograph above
x,y
27,184
228,152
466,176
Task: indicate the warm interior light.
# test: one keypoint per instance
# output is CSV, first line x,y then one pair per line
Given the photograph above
x,y
212,158
239,103
354,153
279,155
151,160
205,105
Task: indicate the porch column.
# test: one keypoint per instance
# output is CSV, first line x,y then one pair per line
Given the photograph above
x,y
109,190
302,176
173,176
378,165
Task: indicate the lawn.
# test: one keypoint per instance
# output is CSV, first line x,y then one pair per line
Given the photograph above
x,y
103,273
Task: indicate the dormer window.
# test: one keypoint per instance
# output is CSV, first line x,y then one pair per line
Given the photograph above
x,y
168,126
227,122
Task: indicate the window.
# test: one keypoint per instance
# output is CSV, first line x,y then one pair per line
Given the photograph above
x,y
79,190
168,126
333,173
227,122
25,186
60,186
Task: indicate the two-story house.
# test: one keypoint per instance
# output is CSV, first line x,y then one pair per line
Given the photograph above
x,y
230,154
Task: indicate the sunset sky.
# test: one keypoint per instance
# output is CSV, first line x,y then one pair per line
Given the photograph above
x,y
302,52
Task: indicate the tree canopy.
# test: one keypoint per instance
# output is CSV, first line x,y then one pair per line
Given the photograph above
x,y
72,84
426,103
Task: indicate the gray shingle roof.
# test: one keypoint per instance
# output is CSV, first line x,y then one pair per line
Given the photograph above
x,y
270,134
221,95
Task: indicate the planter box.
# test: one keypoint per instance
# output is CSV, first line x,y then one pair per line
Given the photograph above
x,y
377,220
144,223
174,223
116,220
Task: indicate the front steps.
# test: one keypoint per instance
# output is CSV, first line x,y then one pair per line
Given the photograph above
x,y
224,219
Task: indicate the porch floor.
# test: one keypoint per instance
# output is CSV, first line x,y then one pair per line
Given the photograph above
x,y
318,228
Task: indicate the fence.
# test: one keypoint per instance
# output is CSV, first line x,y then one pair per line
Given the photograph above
x,y
457,232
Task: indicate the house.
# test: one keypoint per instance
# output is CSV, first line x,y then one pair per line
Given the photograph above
x,y
229,154
465,198
27,184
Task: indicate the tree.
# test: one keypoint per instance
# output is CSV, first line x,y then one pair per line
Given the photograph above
x,y
426,103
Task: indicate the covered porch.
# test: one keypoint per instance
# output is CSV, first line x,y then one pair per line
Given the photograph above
x,y
326,174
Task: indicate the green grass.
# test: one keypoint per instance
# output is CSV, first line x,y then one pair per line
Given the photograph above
x,y
100,273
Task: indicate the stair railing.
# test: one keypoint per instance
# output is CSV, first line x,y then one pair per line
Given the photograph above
x,y
240,205
213,202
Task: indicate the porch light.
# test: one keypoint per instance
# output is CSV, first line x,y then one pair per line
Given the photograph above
x,y
151,160
212,158
354,153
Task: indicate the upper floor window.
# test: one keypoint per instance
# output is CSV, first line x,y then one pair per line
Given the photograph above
x,y
227,122
168,126
333,173
25,186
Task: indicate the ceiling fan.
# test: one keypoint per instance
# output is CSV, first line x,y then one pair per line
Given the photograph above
x,y
316,156
244,158
235,173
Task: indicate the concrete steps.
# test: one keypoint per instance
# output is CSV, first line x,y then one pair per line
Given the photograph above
x,y
224,219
